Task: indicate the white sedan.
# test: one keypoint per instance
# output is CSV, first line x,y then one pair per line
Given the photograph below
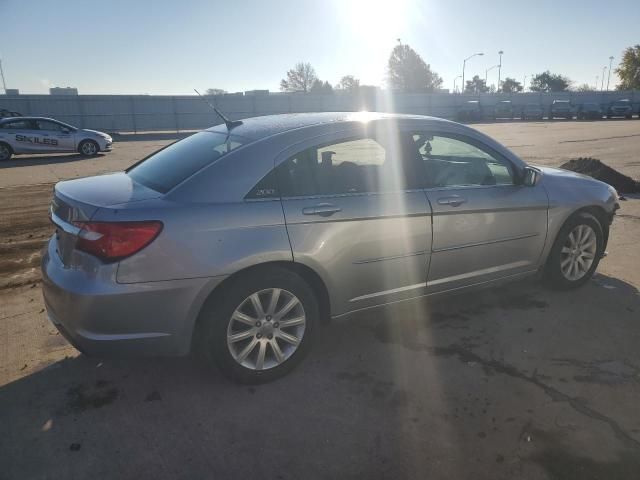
x,y
19,135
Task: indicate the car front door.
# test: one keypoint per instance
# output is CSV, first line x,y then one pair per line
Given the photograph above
x,y
352,216
486,225
55,136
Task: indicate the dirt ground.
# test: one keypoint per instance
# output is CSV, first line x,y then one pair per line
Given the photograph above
x,y
514,382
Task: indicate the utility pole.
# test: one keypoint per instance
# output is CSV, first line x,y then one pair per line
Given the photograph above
x,y
500,68
4,85
609,78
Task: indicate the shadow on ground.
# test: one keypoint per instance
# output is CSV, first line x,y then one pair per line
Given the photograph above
x,y
19,161
469,386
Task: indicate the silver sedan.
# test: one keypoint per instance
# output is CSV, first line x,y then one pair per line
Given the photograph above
x,y
45,135
237,241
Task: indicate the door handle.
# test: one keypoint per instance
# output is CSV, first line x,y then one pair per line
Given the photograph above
x,y
454,200
322,209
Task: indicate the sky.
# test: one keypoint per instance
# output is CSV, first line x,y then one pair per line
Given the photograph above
x,y
170,47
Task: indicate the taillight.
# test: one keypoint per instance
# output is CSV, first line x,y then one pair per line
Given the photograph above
x,y
113,241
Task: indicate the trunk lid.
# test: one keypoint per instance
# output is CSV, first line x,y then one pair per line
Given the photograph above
x,y
79,200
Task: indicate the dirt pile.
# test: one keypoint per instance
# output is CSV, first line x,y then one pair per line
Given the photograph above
x,y
598,170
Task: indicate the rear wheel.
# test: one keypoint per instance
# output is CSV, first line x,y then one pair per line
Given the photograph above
x,y
576,252
262,326
5,152
88,147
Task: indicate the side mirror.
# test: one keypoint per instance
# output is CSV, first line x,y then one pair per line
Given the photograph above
x,y
531,176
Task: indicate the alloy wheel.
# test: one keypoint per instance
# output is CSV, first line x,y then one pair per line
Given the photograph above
x,y
266,329
89,148
578,252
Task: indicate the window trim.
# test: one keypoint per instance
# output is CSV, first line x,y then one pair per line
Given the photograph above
x,y
515,171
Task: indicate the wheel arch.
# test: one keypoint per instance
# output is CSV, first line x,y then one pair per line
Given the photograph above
x,y
596,211
307,273
603,219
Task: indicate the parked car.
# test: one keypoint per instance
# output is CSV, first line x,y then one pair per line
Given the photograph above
x,y
532,111
620,108
237,241
561,109
470,111
503,109
20,135
589,111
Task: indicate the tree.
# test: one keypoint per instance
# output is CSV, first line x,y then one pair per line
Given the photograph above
x,y
629,69
215,91
549,82
348,83
476,85
299,79
408,72
585,87
321,87
510,85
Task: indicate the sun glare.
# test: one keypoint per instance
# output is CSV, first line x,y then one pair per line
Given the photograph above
x,y
375,21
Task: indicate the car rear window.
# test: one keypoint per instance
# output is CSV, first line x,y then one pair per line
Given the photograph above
x,y
168,167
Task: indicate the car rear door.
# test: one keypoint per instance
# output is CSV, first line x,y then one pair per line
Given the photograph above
x,y
486,226
353,217
22,135
55,136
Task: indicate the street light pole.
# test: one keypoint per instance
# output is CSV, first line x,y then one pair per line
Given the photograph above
x,y
609,77
464,63
4,85
486,73
500,68
604,69
524,83
454,82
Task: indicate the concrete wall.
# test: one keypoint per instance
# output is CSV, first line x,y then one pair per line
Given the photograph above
x,y
134,113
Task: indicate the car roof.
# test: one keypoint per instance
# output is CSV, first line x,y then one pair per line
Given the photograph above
x,y
29,118
257,128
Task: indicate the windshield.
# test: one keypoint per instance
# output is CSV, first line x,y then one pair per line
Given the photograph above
x,y
168,167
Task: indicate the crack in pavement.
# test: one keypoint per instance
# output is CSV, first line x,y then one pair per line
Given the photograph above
x,y
466,355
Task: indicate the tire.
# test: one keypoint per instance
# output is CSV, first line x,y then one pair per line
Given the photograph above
x,y
88,148
628,117
5,152
234,314
558,272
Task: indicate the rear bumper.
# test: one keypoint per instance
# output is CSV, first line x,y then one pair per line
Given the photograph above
x,y
103,318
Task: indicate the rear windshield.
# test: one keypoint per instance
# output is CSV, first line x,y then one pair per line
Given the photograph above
x,y
167,168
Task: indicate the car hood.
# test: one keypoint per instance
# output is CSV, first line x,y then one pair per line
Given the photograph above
x,y
105,190
94,132
568,175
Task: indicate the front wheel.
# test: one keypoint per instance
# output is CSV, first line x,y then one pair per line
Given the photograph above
x,y
262,327
576,252
88,148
